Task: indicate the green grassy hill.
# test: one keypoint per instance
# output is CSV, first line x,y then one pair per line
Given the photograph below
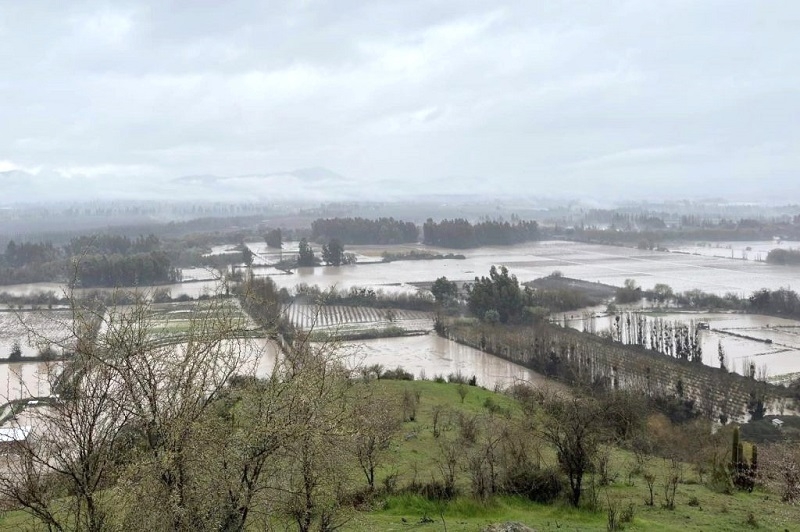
x,y
415,454
413,466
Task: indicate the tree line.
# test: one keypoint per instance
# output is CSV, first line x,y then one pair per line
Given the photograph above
x,y
460,233
364,231
138,269
90,261
784,256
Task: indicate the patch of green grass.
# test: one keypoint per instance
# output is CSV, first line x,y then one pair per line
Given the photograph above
x,y
413,458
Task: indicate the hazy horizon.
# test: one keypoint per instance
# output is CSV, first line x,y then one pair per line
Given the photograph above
x,y
306,100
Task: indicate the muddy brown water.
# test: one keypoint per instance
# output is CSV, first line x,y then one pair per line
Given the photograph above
x,y
598,263
772,344
605,264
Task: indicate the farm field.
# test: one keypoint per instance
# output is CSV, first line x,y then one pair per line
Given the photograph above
x,y
348,318
771,343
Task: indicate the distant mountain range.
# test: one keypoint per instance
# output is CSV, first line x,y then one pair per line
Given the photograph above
x,y
317,184
316,174
305,184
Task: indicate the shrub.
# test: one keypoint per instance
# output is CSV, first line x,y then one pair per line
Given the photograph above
x,y
397,374
457,378
539,485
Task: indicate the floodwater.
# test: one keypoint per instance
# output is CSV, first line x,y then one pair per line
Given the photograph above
x,y
590,262
332,317
772,344
196,282
266,256
28,379
605,264
431,355
33,379
739,250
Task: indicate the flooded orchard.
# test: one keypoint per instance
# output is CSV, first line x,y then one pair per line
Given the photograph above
x,y
599,263
771,343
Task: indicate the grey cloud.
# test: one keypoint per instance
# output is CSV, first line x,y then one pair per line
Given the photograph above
x,y
599,98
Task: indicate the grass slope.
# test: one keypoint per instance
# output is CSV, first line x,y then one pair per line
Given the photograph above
x,y
697,507
413,457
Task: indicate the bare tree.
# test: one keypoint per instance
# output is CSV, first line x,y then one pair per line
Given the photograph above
x,y
573,426
780,470
376,419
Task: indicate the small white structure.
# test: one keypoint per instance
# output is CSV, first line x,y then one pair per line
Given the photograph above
x,y
777,423
11,436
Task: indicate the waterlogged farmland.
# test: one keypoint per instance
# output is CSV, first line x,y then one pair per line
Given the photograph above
x,y
590,262
746,250
347,318
771,343
529,261
605,264
430,356
33,332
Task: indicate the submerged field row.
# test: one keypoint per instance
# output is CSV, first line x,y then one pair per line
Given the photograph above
x,y
312,316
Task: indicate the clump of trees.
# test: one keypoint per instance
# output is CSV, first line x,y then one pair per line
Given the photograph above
x,y
305,256
460,233
334,255
274,238
139,269
364,231
630,292
497,298
91,261
389,256
16,351
445,292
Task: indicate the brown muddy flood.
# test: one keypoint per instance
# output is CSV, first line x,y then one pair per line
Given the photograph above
x,y
196,282
772,344
431,355
590,262
27,379
605,264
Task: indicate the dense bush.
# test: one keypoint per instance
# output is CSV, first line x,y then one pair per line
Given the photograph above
x,y
542,485
397,374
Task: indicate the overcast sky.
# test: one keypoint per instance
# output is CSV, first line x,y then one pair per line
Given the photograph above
x,y
685,97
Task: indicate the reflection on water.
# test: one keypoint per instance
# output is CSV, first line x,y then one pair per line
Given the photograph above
x,y
605,264
432,355
740,250
198,281
772,344
28,379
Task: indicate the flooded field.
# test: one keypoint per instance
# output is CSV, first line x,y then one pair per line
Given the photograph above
x,y
355,318
34,330
28,379
772,344
196,282
747,250
264,255
605,264
431,355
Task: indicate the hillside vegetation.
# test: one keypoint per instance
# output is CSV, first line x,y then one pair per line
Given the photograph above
x,y
437,455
